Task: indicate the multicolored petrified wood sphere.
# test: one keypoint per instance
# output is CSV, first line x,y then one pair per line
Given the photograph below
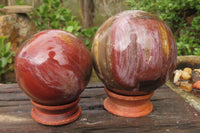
x,y
133,53
53,68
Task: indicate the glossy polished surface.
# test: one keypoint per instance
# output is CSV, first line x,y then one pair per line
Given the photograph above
x,y
134,53
53,67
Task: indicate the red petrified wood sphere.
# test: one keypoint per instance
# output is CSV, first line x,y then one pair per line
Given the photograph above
x,y
53,68
134,53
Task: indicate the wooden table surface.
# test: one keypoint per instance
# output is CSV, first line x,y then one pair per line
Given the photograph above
x,y
170,114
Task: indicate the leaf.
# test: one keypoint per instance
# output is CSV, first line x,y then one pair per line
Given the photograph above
x,y
70,29
87,42
3,62
56,4
2,41
3,71
19,2
45,1
44,10
62,18
1,6
10,60
57,16
7,46
55,25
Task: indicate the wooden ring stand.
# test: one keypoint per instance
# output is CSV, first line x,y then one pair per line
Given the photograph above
x,y
128,106
56,115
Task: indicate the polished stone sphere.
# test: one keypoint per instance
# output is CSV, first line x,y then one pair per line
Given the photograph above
x,y
134,53
53,67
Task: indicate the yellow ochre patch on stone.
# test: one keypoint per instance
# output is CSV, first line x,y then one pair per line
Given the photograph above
x,y
68,39
95,52
165,42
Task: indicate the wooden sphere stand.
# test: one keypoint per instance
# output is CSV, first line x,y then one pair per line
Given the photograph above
x,y
128,106
56,115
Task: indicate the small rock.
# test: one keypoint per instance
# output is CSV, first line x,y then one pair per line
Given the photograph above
x,y
17,27
187,69
185,75
186,86
178,83
177,75
195,76
197,70
196,85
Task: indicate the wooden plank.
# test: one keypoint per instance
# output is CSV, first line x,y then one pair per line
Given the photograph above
x,y
188,61
191,99
17,9
170,114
